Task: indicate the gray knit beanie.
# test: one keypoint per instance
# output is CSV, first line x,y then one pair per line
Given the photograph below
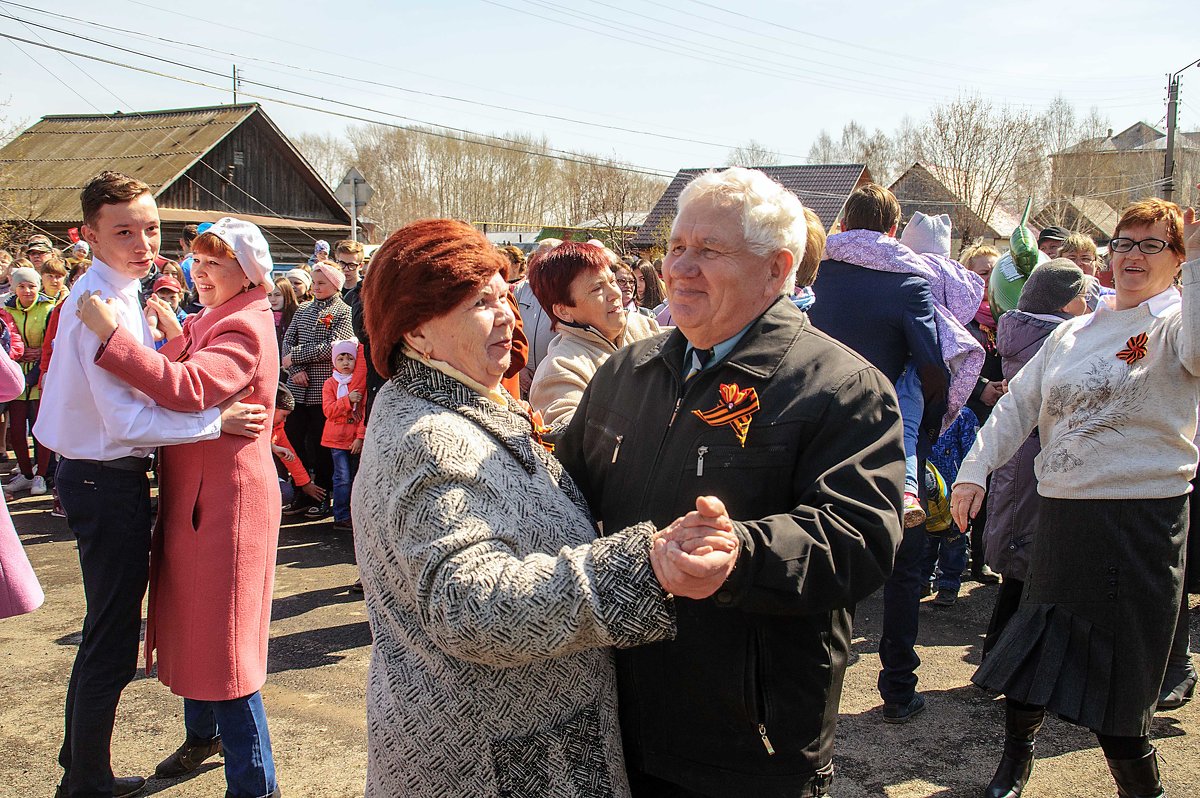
x,y
1051,286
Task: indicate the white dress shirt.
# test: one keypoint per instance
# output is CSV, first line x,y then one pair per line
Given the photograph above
x,y
89,414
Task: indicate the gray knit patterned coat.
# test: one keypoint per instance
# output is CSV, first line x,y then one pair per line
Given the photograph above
x,y
492,604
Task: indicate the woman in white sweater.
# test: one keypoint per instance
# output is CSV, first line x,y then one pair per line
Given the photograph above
x,y
1114,397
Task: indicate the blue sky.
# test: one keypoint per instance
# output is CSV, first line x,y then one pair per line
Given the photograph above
x,y
716,73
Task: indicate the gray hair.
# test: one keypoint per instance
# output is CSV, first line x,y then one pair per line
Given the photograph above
x,y
772,216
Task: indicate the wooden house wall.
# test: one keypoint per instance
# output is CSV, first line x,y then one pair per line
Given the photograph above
x,y
270,173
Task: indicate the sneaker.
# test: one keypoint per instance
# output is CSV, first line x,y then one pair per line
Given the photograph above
x,y
38,486
914,514
986,576
57,510
903,713
945,598
18,483
317,511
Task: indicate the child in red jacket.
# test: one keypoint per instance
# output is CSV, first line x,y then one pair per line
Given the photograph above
x,y
344,430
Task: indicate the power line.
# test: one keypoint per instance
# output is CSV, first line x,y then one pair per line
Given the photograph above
x,y
478,138
385,85
139,138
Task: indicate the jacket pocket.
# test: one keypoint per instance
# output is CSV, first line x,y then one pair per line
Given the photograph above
x,y
758,701
530,764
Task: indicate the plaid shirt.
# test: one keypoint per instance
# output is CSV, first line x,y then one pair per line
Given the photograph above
x,y
309,340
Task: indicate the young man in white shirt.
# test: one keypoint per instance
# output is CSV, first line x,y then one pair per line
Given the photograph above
x,y
105,432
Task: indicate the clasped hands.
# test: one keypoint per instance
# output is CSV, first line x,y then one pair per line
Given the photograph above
x,y
694,555
99,315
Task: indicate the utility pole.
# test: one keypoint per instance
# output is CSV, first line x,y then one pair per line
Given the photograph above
x,y
235,83
1168,186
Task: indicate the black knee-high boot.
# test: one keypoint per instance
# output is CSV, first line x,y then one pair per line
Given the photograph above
x,y
1021,724
1137,778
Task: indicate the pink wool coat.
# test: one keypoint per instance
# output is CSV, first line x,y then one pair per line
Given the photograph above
x,y
19,589
212,562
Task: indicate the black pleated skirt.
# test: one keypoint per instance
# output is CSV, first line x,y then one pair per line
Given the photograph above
x,y
1091,637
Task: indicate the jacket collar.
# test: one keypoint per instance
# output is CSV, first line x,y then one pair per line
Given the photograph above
x,y
246,299
589,335
510,426
760,351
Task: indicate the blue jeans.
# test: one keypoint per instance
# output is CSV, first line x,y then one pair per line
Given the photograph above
x,y
901,620
342,481
242,724
912,408
949,555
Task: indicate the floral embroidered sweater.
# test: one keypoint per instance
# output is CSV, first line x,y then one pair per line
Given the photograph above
x,y
1114,397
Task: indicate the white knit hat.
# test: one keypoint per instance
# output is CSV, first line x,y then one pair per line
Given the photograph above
x,y
927,234
249,245
301,275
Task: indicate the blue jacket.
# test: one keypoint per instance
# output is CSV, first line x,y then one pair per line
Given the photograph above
x,y
888,319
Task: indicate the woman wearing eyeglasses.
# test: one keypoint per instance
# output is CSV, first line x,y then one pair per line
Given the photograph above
x,y
1113,396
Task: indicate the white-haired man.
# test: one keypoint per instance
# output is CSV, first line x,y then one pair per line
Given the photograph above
x,y
801,438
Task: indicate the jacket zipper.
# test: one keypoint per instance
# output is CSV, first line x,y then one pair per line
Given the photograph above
x,y
617,448
703,450
760,694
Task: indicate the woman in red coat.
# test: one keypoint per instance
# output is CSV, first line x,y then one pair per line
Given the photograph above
x,y
213,557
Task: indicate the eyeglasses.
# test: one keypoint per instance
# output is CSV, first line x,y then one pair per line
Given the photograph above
x,y
1080,260
1148,246
626,283
348,264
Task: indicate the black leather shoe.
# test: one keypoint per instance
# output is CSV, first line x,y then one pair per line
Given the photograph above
x,y
1175,697
187,758
1137,778
129,785
1020,730
122,786
903,713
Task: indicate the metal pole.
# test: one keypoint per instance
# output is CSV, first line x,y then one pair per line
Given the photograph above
x,y
235,84
354,211
1168,188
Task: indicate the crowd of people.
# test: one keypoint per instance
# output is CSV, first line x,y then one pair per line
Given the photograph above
x,y
569,474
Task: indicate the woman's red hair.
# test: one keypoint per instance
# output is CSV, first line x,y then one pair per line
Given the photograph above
x,y
423,271
551,274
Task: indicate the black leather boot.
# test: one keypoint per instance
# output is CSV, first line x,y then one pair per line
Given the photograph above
x,y
1020,728
1137,778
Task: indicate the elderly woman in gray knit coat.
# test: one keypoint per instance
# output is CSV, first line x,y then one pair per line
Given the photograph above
x,y
492,604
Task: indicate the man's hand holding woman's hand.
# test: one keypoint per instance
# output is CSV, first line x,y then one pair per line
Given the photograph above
x,y
695,554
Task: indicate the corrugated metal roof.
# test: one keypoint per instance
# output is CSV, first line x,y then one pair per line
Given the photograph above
x,y
822,187
43,170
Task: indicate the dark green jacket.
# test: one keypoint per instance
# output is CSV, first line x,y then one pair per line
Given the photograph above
x,y
816,494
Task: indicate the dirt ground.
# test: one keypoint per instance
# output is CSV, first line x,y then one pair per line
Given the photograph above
x,y
320,645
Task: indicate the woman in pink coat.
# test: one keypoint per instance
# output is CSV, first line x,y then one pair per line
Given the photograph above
x,y
212,562
19,589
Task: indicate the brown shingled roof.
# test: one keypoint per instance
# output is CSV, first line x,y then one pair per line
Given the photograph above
x,y
822,187
43,169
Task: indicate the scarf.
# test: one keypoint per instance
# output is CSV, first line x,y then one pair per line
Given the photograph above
x,y
343,383
983,316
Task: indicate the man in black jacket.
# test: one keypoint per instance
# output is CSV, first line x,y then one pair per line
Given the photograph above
x,y
800,437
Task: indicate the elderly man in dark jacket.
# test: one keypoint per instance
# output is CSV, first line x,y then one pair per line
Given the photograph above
x,y
801,438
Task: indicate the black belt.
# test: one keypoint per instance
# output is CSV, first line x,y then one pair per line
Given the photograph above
x,y
138,464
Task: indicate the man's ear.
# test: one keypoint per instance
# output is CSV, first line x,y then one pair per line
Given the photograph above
x,y
88,235
781,267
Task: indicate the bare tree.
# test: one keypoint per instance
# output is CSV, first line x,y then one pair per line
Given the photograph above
x,y
976,149
328,154
877,151
752,153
